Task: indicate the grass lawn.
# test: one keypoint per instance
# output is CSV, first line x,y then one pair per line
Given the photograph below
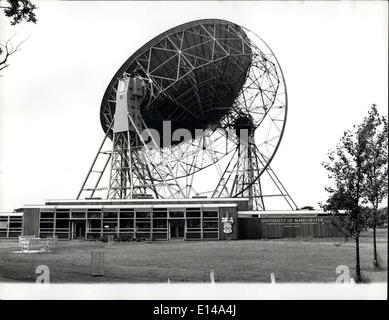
x,y
292,260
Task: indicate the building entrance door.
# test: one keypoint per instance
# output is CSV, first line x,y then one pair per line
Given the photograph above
x,y
78,229
176,229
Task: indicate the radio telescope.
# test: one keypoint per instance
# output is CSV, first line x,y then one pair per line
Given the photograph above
x,y
205,100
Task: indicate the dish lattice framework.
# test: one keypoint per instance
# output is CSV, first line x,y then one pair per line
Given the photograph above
x,y
206,74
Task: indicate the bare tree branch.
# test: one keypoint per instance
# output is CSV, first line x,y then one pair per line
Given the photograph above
x,y
17,11
7,50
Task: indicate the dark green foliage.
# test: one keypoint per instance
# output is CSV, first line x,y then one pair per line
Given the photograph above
x,y
19,10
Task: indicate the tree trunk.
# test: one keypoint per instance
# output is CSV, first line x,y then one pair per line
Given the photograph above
x,y
358,266
375,221
375,246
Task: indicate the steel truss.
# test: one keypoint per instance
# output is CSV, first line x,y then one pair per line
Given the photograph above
x,y
130,172
243,175
205,75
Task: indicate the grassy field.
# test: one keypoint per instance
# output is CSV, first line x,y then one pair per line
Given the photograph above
x,y
292,260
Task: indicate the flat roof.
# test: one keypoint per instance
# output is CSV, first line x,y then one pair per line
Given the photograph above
x,y
283,212
139,206
11,214
145,201
148,199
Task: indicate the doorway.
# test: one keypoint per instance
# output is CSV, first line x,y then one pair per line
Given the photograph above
x,y
78,229
176,229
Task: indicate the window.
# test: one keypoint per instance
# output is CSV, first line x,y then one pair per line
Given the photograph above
x,y
47,215
78,215
210,225
126,224
61,214
111,215
159,223
109,226
142,215
193,214
61,224
210,214
126,214
94,215
178,214
143,226
193,223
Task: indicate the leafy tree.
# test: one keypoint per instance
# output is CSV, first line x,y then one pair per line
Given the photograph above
x,y
376,169
382,215
346,167
17,11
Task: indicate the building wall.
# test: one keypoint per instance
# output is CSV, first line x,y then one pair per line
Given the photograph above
x,y
124,223
31,221
287,227
201,221
228,213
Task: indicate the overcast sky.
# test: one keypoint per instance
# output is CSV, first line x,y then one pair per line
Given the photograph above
x,y
333,54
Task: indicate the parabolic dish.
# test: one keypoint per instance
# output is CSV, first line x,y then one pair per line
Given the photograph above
x,y
193,73
207,74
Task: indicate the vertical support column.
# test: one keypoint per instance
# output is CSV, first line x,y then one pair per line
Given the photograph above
x,y
168,223
118,224
127,120
101,222
87,224
201,222
218,222
185,225
8,225
54,222
39,223
151,223
134,230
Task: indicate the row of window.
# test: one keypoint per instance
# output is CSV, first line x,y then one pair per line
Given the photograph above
x,y
129,223
10,227
98,214
155,226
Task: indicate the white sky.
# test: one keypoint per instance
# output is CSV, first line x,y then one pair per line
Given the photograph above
x,y
333,54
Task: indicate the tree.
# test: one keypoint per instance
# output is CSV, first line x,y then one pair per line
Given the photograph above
x,y
17,11
346,167
376,169
382,215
